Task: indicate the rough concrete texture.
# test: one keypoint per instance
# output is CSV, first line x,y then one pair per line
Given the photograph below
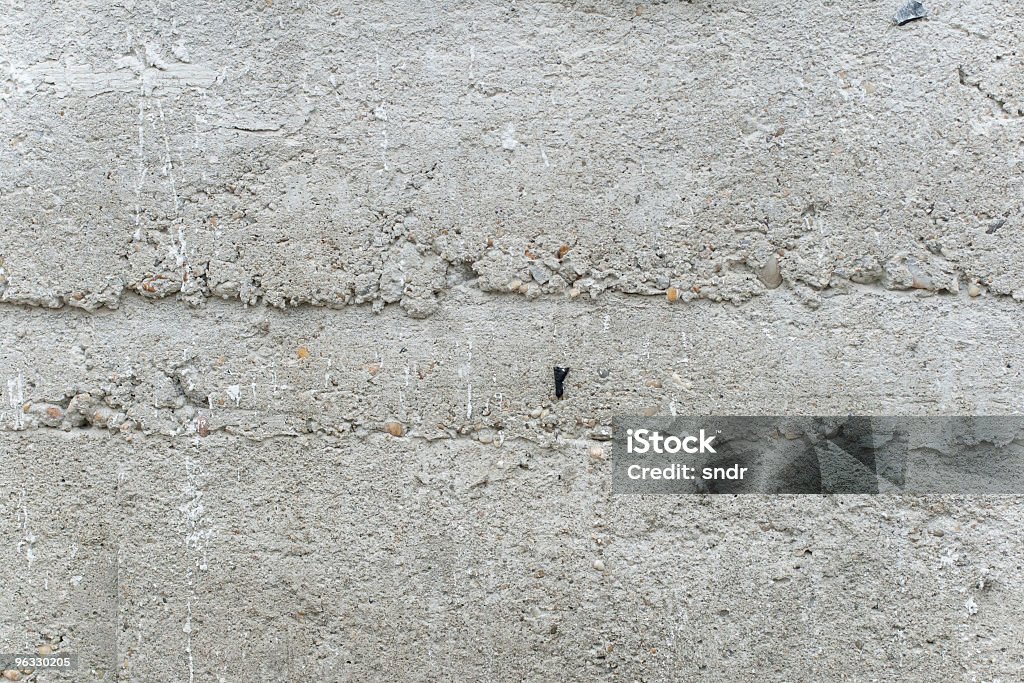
x,y
283,284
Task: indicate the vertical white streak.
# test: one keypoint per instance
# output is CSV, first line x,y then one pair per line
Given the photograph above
x,y
169,161
187,628
16,399
28,538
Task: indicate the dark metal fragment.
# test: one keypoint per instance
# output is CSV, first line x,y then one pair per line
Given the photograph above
x,y
909,12
560,375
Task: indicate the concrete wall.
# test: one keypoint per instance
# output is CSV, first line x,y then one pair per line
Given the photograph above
x,y
282,285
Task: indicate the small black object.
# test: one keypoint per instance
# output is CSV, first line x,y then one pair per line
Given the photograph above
x,y
560,375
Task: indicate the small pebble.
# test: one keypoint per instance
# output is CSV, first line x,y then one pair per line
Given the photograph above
x,y
302,352
922,282
394,428
515,285
12,675
974,289
599,565
596,453
672,294
540,274
45,650
47,413
535,413
769,274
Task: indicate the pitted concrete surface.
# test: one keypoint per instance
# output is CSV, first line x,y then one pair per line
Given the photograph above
x,y
282,286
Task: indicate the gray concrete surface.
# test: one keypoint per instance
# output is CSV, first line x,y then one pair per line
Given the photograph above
x,y
282,284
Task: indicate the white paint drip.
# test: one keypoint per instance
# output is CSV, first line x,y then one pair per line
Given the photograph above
x,y
196,536
142,173
187,628
16,399
168,161
465,371
28,540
